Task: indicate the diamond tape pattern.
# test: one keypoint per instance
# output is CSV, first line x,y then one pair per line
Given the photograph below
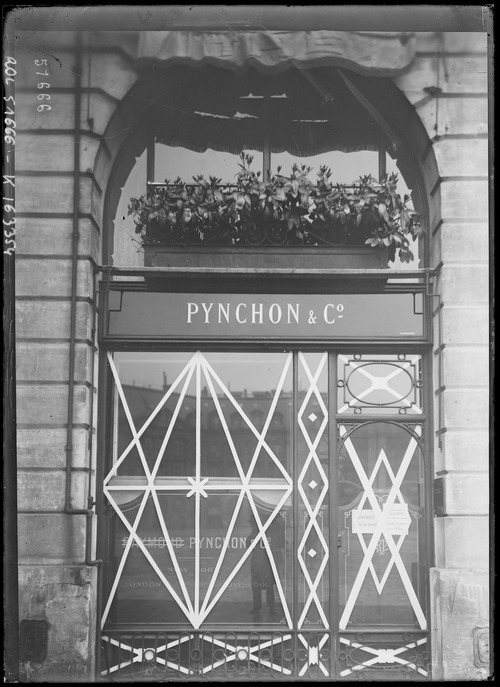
x,y
382,528
313,510
195,608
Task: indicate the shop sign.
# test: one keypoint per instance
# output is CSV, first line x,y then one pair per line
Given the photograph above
x,y
259,316
397,521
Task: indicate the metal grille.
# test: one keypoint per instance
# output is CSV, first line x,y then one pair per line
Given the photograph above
x,y
235,656
397,656
245,656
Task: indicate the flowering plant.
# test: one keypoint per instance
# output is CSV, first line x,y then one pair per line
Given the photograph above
x,y
281,210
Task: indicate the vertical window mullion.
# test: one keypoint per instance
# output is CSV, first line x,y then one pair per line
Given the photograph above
x,y
382,163
333,508
114,448
266,154
150,158
295,496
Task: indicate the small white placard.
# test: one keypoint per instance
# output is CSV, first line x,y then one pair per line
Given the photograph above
x,y
398,520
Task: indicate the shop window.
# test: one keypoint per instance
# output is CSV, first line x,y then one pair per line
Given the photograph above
x,y
301,510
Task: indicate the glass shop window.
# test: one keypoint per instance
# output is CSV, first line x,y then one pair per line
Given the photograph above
x,y
213,539
222,498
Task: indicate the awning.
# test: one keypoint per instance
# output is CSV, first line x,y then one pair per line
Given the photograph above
x,y
374,53
304,112
235,90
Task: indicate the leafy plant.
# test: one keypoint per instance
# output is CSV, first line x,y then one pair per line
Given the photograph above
x,y
280,209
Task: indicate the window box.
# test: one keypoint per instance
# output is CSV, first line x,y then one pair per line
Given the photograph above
x,y
285,222
307,258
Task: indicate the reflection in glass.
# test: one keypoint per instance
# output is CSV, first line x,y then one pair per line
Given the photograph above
x,y
236,568
230,421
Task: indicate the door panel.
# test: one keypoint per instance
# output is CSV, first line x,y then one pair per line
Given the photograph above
x,y
380,464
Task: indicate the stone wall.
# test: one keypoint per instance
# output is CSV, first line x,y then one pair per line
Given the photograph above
x,y
448,86
55,583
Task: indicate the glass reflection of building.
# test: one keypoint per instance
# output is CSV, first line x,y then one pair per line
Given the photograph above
x,y
179,455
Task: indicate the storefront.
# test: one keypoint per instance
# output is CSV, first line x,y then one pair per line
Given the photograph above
x,y
265,483
266,512
252,384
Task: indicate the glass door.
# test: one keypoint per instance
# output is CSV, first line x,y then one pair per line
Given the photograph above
x,y
382,543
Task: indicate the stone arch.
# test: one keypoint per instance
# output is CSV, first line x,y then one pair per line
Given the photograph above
x,y
126,137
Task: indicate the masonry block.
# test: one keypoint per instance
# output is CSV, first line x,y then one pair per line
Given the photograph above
x,y
436,256
116,74
438,460
50,362
115,137
453,116
46,448
56,538
464,199
467,407
96,203
466,449
65,597
39,491
464,74
464,41
463,116
54,237
54,153
57,48
466,243
459,607
432,41
429,170
48,405
465,324
61,116
52,277
462,541
465,283
466,494
462,157
123,41
45,195
434,206
466,366
101,107
39,319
